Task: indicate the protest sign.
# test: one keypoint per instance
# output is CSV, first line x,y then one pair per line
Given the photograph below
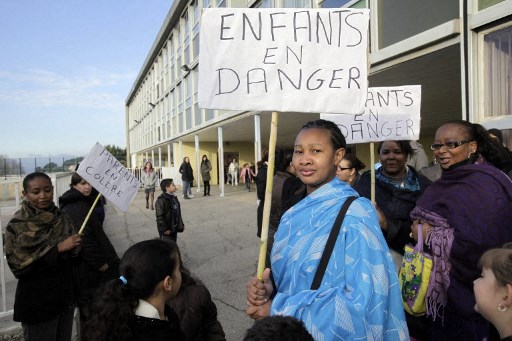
x,y
102,170
391,113
284,59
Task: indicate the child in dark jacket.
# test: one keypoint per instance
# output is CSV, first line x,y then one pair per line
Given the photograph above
x,y
168,212
196,310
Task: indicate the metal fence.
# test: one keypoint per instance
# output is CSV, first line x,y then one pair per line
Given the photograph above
x,y
18,167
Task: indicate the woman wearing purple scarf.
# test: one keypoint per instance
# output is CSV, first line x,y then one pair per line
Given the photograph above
x,y
461,215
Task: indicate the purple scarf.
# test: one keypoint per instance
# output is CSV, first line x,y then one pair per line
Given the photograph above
x,y
470,210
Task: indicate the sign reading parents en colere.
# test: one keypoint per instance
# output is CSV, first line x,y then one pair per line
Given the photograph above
x,y
102,170
306,60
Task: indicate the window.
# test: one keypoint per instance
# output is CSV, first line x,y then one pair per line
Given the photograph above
x,y
165,75
188,102
498,73
483,4
207,3
195,33
296,3
209,114
172,73
197,112
180,106
402,19
186,42
263,4
178,52
221,3
333,3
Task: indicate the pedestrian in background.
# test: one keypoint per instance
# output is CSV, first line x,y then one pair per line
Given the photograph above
x,y
42,247
349,169
246,176
149,180
206,167
187,176
168,212
233,171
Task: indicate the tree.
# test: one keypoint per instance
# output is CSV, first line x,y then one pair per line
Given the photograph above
x,y
118,152
49,168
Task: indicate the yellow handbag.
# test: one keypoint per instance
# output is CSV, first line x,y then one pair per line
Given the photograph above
x,y
414,276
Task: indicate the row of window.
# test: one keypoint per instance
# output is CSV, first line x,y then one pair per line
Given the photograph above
x,y
165,104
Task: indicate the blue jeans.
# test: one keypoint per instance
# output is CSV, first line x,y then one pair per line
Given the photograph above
x,y
186,188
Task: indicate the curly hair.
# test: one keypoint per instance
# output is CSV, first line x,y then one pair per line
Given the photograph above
x,y
278,328
143,265
491,150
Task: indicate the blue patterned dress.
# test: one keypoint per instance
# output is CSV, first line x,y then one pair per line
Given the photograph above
x,y
359,298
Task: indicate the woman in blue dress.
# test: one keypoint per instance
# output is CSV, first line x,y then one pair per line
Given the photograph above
x,y
359,296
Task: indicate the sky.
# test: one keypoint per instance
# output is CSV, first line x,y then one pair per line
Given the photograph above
x,y
66,67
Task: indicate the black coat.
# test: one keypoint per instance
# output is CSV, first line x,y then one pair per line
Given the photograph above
x,y
45,289
396,204
197,313
186,172
96,247
168,213
148,329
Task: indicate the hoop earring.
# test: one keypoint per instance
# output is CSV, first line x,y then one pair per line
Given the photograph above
x,y
502,307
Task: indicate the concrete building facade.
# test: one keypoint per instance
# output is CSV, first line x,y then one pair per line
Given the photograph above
x,y
459,51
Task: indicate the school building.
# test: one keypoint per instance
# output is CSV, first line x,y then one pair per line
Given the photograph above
x,y
459,51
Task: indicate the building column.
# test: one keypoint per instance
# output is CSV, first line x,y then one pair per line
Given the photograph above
x,y
198,163
221,161
159,157
177,162
169,155
257,139
153,157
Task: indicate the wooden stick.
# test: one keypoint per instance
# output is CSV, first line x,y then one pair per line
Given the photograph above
x,y
372,170
89,214
268,195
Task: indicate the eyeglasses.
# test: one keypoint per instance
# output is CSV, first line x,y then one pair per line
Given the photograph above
x,y
344,168
448,145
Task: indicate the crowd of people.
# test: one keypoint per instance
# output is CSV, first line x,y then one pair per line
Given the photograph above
x,y
318,284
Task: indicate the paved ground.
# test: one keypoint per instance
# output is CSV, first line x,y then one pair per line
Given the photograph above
x,y
219,246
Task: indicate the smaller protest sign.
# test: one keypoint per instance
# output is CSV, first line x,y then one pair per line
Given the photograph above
x,y
105,173
391,113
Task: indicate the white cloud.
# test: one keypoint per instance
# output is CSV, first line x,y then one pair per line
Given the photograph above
x,y
90,88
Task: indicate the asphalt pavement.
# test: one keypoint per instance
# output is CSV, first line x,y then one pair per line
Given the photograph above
x,y
219,246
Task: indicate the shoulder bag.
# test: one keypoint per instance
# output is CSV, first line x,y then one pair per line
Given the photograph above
x,y
414,276
329,246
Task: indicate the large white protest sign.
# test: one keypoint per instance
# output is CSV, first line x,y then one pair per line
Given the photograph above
x,y
284,59
102,170
391,113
